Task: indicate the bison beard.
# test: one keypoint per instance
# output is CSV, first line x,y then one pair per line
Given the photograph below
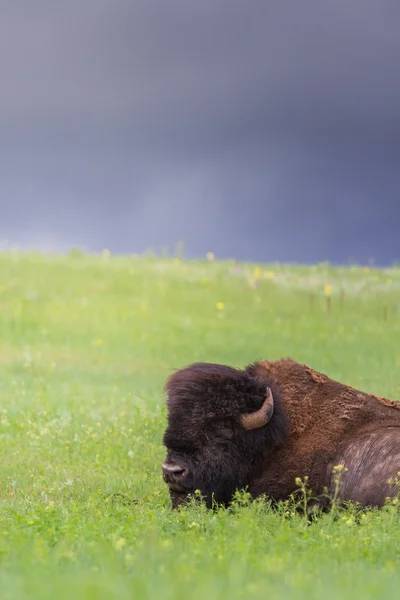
x,y
266,425
218,477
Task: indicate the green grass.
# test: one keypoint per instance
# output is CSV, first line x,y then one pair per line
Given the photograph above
x,y
85,347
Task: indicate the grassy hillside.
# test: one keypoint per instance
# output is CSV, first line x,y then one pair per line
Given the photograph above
x,y
85,347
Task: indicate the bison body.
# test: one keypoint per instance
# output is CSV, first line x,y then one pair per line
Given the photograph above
x,y
262,427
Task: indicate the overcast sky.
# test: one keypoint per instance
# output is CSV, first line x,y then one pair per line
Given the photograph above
x,y
261,130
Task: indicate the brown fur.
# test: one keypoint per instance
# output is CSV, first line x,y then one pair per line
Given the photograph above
x,y
317,424
327,418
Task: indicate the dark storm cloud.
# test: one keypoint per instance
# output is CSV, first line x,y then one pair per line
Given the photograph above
x,y
264,130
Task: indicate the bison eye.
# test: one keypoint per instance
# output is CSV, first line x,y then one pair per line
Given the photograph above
x,y
178,449
174,444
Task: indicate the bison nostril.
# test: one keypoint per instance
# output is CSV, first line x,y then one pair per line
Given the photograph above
x,y
174,471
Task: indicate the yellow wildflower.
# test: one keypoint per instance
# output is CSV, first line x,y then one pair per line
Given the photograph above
x,y
328,289
269,275
220,305
119,544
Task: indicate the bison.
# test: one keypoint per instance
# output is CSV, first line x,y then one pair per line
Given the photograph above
x,y
262,427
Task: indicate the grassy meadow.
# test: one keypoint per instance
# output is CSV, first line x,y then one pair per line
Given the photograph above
x,y
86,343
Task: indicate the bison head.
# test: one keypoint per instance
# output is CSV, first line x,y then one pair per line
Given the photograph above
x,y
221,422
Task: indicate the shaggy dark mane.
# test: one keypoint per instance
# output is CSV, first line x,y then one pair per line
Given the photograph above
x,y
214,392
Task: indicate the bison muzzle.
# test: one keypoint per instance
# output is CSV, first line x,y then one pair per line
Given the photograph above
x,y
262,427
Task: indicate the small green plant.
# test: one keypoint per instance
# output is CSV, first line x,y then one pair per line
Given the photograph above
x,y
337,474
304,493
394,502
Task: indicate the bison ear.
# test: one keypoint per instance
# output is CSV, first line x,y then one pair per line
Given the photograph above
x,y
226,432
262,416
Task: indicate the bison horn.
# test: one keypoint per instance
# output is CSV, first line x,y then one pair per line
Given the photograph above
x,y
258,419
